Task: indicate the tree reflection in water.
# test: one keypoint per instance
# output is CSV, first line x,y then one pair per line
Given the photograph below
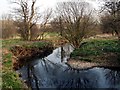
x,y
113,76
52,72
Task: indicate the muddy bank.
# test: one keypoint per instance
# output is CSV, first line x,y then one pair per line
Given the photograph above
x,y
108,60
22,54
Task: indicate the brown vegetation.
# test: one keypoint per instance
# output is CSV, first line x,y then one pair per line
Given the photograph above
x,y
22,54
110,21
8,28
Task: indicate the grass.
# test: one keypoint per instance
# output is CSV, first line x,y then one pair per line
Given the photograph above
x,y
51,34
7,60
10,78
97,48
37,44
10,42
54,37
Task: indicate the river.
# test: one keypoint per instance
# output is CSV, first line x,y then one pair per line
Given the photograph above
x,y
53,72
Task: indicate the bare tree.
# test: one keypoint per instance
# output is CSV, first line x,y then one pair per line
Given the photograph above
x,y
74,21
27,16
45,19
105,24
8,27
111,19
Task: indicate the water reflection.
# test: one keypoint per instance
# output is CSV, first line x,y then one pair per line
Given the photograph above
x,y
51,72
113,76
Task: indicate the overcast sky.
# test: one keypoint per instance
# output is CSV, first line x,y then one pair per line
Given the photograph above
x,y
6,6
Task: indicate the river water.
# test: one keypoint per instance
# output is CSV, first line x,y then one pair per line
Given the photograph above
x,y
53,72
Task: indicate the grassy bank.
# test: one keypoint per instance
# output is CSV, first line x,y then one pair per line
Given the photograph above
x,y
10,78
99,51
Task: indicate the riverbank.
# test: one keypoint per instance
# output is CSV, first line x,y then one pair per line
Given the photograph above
x,y
15,53
96,53
29,52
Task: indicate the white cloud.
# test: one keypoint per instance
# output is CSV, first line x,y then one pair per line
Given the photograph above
x,y
94,3
46,3
4,7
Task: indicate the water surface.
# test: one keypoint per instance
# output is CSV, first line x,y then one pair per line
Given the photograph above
x,y
53,72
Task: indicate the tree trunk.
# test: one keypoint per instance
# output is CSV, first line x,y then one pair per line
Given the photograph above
x,y
118,34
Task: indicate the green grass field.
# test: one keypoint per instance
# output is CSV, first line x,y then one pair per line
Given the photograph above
x,y
97,48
